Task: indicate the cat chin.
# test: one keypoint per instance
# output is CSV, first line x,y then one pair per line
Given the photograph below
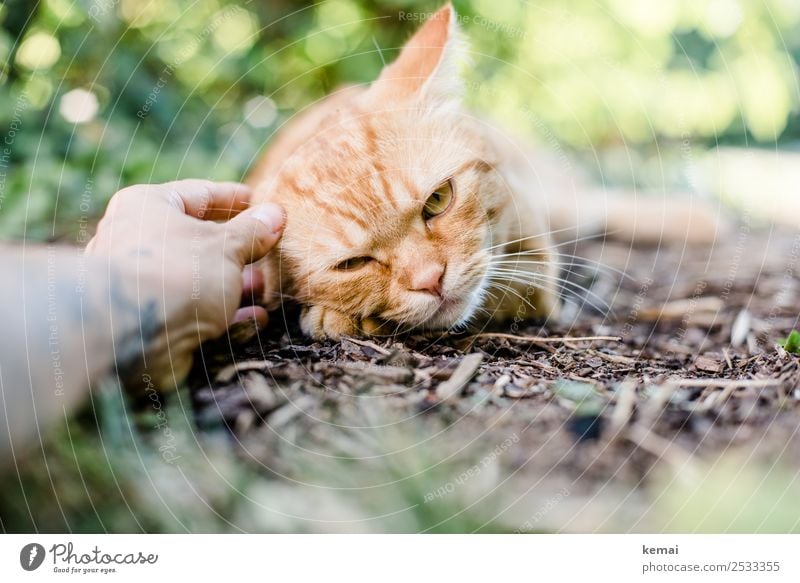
x,y
474,302
461,313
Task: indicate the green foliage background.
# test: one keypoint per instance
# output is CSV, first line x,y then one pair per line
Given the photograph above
x,y
588,76
196,89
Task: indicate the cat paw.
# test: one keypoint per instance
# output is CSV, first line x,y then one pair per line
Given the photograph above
x,y
371,326
322,323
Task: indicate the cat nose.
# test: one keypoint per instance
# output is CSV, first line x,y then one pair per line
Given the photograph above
x,y
428,279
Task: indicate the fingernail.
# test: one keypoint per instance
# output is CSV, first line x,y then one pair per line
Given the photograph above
x,y
271,215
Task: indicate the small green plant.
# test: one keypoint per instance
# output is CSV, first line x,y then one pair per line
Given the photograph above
x,y
792,342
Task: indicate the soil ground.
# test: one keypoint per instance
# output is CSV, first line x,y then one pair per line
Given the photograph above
x,y
689,372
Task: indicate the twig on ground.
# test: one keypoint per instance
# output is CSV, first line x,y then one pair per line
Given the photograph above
x,y
545,339
368,344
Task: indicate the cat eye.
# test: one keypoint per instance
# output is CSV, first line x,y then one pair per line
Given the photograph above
x,y
438,201
354,263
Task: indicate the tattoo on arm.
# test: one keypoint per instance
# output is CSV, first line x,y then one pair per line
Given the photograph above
x,y
140,329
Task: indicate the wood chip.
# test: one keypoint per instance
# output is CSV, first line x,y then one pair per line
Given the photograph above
x,y
718,398
728,360
466,369
380,373
226,374
539,365
512,391
594,362
724,382
291,410
500,383
623,409
262,395
664,449
615,358
741,328
708,363
654,406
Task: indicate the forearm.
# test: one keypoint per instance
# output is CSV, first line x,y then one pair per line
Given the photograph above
x,y
133,305
68,324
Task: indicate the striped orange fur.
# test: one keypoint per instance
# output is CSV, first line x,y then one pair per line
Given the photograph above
x,y
354,173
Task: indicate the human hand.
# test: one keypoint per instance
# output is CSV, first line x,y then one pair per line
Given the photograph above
x,y
179,273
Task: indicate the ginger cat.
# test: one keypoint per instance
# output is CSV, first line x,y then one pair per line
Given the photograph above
x,y
405,211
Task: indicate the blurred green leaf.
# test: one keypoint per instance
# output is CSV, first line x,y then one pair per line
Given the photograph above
x,y
792,342
172,83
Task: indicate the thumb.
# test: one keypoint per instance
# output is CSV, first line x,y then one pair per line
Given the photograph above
x,y
251,234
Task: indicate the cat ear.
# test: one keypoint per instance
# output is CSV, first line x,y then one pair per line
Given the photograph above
x,y
428,66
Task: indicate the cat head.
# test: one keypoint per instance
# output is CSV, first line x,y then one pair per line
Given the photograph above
x,y
391,193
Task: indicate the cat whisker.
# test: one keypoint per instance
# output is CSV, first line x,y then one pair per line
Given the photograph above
x,y
521,239
398,326
507,288
564,285
574,241
554,246
530,277
571,296
578,262
482,312
589,237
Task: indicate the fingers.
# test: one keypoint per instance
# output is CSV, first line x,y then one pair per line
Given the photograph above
x,y
256,313
250,235
208,200
252,285
252,290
